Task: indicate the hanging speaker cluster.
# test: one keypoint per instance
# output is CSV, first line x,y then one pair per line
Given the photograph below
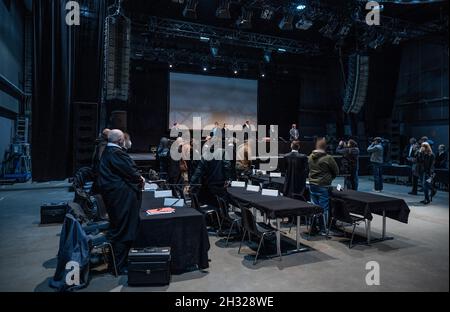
x,y
117,56
357,83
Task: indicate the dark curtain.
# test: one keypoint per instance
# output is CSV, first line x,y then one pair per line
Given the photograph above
x,y
52,97
68,67
148,106
278,104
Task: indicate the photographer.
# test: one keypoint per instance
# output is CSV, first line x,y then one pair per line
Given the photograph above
x,y
415,167
376,151
350,163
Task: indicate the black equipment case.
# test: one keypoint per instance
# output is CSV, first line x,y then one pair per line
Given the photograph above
x,y
53,213
149,266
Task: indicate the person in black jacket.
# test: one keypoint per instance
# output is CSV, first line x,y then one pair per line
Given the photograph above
x,y
425,159
441,158
120,184
163,157
296,172
214,176
350,163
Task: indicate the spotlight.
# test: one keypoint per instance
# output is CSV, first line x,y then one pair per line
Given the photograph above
x,y
170,66
287,22
205,68
267,56
235,68
267,13
303,24
190,10
281,50
214,47
301,7
223,11
245,20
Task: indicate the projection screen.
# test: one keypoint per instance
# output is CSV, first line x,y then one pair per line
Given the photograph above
x,y
225,100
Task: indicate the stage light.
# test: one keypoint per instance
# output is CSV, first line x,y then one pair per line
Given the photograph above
x,y
267,56
170,66
281,50
205,68
301,7
223,11
267,13
245,20
287,22
303,24
204,39
190,10
235,72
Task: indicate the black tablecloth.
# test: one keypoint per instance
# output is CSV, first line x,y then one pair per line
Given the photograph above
x,y
397,171
366,204
274,207
184,231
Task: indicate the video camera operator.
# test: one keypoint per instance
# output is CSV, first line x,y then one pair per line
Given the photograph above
x,y
376,151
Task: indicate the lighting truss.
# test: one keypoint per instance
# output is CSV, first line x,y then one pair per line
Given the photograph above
x,y
175,28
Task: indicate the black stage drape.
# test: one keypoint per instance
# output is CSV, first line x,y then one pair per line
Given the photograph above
x,y
149,104
67,68
52,87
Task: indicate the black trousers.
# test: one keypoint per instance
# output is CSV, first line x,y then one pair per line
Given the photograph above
x,y
415,183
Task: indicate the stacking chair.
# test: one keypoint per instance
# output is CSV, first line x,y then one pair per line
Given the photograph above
x,y
227,218
340,212
205,210
260,230
99,243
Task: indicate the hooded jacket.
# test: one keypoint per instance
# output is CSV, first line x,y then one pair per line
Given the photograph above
x,y
323,169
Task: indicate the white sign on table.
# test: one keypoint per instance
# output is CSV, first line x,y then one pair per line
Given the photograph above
x,y
237,184
161,194
267,192
173,202
253,188
275,174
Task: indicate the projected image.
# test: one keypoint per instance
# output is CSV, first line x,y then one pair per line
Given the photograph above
x,y
225,100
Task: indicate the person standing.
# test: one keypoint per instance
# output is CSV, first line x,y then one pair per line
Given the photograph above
x,y
120,184
215,131
441,157
416,170
426,160
294,135
296,171
350,163
376,159
163,157
323,169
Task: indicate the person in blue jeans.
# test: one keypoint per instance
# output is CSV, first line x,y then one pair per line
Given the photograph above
x,y
323,169
376,159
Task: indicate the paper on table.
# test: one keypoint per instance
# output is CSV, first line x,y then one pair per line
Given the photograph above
x,y
158,211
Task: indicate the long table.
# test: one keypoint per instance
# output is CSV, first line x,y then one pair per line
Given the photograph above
x,y
276,208
367,204
184,231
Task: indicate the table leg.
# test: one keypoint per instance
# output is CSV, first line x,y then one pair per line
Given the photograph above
x,y
297,236
383,236
278,238
368,231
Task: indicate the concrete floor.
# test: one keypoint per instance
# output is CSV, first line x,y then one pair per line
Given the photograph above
x,y
416,260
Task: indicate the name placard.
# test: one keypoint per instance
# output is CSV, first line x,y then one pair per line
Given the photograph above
x,y
253,188
237,184
267,192
275,174
174,202
161,194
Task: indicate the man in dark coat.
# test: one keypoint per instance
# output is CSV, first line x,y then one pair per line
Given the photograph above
x,y
120,185
350,163
296,171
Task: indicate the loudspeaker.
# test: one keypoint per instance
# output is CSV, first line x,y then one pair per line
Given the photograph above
x,y
85,123
357,83
118,120
117,57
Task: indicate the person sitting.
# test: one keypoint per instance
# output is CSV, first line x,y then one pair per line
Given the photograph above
x,y
323,169
120,185
426,159
376,150
296,172
163,157
350,163
441,158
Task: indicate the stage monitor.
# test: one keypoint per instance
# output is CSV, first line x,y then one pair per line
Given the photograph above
x,y
226,100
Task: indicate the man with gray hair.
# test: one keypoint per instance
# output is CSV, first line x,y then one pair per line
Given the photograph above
x,y
120,184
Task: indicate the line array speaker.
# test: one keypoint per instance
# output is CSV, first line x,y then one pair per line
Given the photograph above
x,y
357,83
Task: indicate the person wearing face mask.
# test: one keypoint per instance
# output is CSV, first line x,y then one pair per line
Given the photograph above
x,y
120,184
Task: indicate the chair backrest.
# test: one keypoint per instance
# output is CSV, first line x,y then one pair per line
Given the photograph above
x,y
248,221
194,201
102,214
339,211
223,208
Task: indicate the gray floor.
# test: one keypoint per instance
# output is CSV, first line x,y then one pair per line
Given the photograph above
x,y
416,260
